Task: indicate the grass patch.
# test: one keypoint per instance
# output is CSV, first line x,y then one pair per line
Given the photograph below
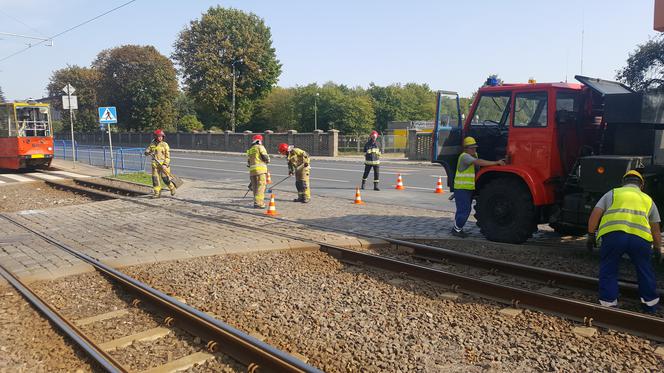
x,y
136,177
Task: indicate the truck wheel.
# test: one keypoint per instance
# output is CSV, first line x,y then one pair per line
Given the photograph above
x,y
505,211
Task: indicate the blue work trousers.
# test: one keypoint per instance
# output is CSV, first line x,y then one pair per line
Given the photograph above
x,y
463,199
614,245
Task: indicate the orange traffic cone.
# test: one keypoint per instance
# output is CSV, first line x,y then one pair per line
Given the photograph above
x,y
399,183
269,179
358,198
439,186
271,208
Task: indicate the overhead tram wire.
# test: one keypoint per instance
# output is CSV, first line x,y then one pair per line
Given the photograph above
x,y
66,31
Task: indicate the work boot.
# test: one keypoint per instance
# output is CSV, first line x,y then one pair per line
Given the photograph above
x,y
305,200
156,194
298,199
363,182
376,187
257,206
173,192
459,233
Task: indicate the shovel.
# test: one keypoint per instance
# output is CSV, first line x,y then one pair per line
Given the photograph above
x,y
171,178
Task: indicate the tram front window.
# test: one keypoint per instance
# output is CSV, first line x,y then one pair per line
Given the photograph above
x,y
32,121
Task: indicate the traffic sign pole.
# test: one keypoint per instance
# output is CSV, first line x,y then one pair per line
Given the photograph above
x,y
110,147
108,115
69,89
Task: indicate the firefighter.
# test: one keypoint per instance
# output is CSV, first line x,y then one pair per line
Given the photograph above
x,y
628,222
298,165
371,159
464,183
161,153
257,160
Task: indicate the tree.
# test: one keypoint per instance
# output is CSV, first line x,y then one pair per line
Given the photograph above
x,y
206,52
350,111
402,103
189,123
645,66
275,112
85,81
141,83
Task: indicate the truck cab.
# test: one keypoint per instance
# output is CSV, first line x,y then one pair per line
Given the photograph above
x,y
545,132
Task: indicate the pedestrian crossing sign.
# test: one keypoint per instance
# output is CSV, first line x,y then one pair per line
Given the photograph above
x,y
108,115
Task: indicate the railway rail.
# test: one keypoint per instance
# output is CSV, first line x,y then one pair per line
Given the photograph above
x,y
258,356
588,313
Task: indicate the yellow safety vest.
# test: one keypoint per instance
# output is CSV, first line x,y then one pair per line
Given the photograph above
x,y
628,213
464,179
256,164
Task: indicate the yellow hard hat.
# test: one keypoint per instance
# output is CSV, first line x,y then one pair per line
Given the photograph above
x,y
469,141
635,174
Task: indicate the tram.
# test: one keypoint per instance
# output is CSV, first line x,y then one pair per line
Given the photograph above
x,y
26,138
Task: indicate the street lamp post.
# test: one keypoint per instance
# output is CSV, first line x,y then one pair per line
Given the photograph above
x,y
316,111
233,95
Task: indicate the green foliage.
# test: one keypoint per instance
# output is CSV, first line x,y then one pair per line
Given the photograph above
x,y
58,126
206,52
275,112
402,103
189,123
141,83
645,66
85,81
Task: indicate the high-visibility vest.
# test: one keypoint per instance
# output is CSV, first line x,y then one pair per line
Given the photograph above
x,y
162,153
628,213
256,164
372,154
464,179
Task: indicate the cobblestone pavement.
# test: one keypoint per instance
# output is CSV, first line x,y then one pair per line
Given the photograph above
x,y
196,223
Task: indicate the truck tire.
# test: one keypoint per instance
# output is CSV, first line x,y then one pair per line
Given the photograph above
x,y
505,211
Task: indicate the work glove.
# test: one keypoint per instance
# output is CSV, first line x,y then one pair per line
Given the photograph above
x,y
291,173
306,165
591,241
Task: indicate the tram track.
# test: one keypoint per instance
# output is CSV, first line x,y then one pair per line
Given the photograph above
x,y
256,355
585,312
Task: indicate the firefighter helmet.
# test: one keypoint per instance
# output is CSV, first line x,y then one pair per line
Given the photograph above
x,y
634,174
469,141
374,133
257,138
283,148
158,132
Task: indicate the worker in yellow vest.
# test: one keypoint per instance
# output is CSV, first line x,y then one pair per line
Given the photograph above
x,y
628,222
464,183
257,160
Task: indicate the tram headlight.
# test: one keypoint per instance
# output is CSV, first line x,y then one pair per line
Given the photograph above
x,y
50,149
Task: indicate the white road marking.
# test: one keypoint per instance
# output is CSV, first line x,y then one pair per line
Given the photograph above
x,y
70,174
246,172
403,173
44,176
2,182
18,177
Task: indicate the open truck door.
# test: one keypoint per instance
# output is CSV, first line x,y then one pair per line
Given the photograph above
x,y
447,134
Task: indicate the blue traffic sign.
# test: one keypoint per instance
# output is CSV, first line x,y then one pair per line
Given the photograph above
x,y
108,115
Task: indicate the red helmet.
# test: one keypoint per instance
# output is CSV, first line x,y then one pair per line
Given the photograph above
x,y
283,148
257,138
374,133
158,132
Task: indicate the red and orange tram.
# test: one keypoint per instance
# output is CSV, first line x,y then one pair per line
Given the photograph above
x,y
26,140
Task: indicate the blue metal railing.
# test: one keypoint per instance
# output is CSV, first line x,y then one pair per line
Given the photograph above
x,y
125,159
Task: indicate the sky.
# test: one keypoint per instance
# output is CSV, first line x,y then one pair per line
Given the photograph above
x,y
451,45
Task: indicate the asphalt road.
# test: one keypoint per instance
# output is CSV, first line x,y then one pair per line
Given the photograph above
x,y
328,178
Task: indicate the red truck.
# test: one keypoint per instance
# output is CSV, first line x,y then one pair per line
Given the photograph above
x,y
566,144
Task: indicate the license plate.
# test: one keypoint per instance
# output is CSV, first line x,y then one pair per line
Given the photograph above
x,y
37,156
